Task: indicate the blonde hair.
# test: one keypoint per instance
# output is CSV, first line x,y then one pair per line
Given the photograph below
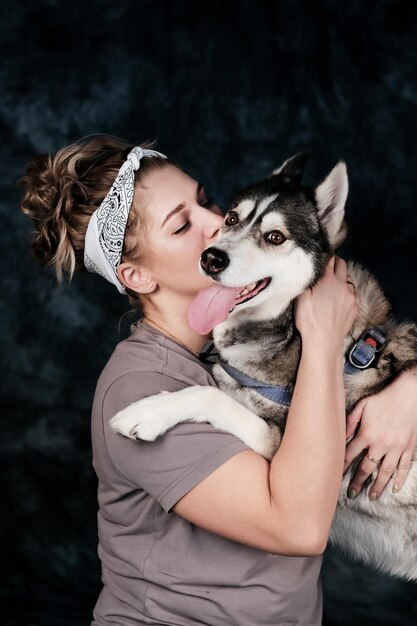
x,y
62,190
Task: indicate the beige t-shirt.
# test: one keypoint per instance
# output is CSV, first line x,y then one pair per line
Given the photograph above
x,y
157,568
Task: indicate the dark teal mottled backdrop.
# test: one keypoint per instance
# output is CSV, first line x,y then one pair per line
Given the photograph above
x,y
230,89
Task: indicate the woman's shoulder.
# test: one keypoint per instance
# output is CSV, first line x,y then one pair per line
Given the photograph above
x,y
147,359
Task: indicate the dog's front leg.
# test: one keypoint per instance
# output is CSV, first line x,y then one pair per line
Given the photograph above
x,y
149,418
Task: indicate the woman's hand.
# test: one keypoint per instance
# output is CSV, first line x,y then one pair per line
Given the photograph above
x,y
325,313
388,431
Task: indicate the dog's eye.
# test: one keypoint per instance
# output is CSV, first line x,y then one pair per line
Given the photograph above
x,y
231,219
275,237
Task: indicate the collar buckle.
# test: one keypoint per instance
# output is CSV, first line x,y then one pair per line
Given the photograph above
x,y
363,351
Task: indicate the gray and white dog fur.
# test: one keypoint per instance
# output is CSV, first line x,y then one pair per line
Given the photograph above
x,y
260,339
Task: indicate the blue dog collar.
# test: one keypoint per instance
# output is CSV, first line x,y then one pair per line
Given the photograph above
x,y
276,393
360,356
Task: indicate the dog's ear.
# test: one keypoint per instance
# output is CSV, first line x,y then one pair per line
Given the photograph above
x,y
331,197
291,171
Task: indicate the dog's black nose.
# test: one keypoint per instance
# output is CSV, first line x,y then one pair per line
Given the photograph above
x,y
214,261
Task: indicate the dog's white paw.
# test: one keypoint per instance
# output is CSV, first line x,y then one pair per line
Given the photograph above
x,y
143,419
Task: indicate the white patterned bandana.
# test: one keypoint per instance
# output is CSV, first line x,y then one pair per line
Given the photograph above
x,y
107,225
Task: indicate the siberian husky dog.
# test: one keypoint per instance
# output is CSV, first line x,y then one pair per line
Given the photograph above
x,y
277,239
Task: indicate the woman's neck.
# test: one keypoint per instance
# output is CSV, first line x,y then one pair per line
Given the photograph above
x,y
177,328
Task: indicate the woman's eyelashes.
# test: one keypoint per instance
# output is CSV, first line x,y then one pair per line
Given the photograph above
x,y
183,228
207,204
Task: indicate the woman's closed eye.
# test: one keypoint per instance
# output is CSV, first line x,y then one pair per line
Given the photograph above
x,y
183,228
208,203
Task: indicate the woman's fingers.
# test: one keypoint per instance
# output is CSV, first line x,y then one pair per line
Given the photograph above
x,y
353,450
327,308
330,264
354,418
364,470
402,470
385,473
388,431
340,268
389,466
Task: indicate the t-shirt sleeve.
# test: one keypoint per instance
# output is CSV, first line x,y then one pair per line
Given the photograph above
x,y
172,465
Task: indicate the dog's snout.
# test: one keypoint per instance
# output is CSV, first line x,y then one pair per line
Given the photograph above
x,y
214,260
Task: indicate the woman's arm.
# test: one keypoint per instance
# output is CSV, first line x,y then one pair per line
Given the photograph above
x,y
286,507
388,430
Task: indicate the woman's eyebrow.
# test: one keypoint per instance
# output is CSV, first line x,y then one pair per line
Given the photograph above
x,y
180,206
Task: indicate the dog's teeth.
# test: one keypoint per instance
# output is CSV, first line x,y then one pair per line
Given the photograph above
x,y
248,289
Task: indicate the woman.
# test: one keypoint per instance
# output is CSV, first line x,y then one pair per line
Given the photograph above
x,y
195,528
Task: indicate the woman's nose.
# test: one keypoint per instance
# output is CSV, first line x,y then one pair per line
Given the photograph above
x,y
213,226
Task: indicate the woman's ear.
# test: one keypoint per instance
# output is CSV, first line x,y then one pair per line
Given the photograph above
x,y
135,278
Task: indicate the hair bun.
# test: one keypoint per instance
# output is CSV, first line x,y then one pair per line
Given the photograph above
x,y
61,191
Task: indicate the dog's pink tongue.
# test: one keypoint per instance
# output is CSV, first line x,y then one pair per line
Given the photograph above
x,y
210,307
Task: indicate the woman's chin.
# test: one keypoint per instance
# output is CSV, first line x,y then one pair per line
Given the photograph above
x,y
203,282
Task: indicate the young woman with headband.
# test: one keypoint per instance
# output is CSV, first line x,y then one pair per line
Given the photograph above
x,y
195,528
